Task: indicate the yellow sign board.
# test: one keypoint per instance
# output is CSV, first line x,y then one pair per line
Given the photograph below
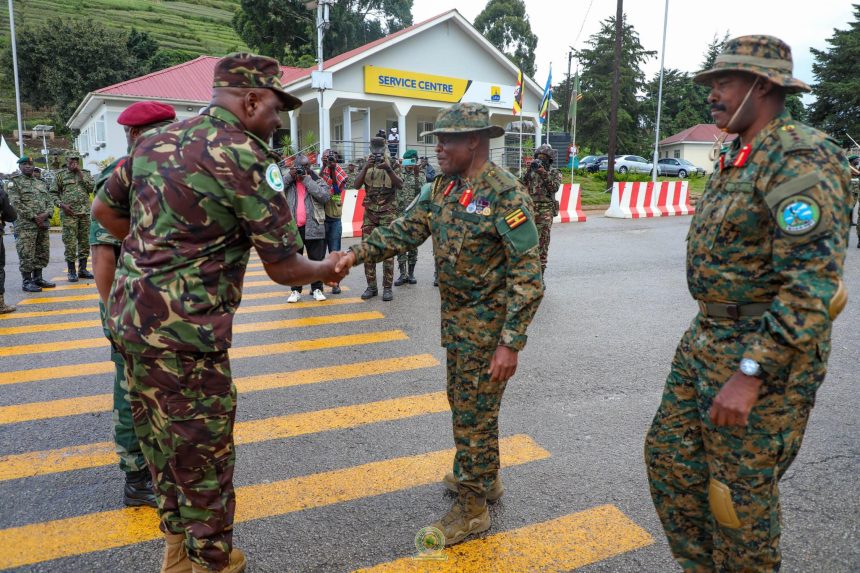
x,y
385,81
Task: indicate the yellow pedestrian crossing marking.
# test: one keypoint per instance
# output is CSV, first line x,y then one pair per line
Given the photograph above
x,y
71,458
93,368
562,544
73,286
46,313
53,327
83,534
104,402
57,299
64,345
250,296
61,278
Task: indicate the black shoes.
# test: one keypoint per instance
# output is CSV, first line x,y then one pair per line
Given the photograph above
x,y
335,289
369,292
387,294
28,285
82,270
138,490
73,275
40,282
410,276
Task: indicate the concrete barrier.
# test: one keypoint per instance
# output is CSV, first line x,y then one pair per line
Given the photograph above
x,y
353,212
569,199
636,200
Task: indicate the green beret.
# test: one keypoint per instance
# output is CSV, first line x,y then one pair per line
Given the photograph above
x,y
25,159
410,154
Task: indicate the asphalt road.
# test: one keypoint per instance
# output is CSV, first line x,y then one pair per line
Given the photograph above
x,y
343,470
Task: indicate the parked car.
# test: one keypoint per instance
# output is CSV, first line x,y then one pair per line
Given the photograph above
x,y
586,161
672,167
594,165
631,163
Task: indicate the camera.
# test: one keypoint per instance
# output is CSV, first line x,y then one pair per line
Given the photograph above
x,y
300,171
536,164
377,158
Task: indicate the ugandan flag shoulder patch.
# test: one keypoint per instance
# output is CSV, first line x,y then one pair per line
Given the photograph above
x,y
515,218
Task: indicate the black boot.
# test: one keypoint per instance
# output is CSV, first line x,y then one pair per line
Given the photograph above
x,y
39,281
28,285
387,294
82,269
402,279
369,292
72,276
436,279
138,489
411,276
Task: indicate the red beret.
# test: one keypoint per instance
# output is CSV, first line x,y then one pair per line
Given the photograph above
x,y
144,113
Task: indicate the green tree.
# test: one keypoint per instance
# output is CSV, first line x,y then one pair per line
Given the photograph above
x,y
836,108
682,103
505,24
285,30
596,87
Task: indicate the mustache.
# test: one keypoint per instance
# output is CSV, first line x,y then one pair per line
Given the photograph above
x,y
718,107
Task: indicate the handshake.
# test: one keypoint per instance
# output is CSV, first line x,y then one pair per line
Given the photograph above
x,y
336,266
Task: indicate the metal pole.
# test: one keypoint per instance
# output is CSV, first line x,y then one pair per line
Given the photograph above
x,y
660,95
616,86
575,98
45,150
567,107
320,22
17,88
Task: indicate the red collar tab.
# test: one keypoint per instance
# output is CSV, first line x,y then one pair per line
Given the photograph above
x,y
742,157
450,188
466,197
722,162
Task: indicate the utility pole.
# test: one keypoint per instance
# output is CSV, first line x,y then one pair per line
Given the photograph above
x,y
567,107
616,85
660,96
17,88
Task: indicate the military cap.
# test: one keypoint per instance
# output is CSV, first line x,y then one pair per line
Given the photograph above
x,y
853,157
25,159
377,144
143,113
73,156
760,55
465,117
244,70
410,154
547,150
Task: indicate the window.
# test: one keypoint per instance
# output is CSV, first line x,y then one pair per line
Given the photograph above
x,y
100,129
338,132
422,127
677,154
83,143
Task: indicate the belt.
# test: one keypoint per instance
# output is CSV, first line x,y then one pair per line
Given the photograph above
x,y
733,311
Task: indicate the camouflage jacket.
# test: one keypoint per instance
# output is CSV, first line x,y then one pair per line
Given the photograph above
x,y
542,188
772,227
411,188
73,190
486,252
30,197
98,234
379,190
200,193
7,211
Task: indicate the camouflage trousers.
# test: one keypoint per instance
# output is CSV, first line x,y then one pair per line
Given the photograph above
x,y
716,489
474,402
184,409
543,221
125,439
34,247
409,257
372,220
76,236
2,264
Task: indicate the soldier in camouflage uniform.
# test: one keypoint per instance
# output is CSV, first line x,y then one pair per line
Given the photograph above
x,y
380,183
191,200
72,188
7,215
765,256
412,183
854,162
35,206
486,247
137,119
542,181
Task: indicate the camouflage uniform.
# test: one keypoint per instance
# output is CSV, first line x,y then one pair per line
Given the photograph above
x,y
30,197
485,245
405,195
765,254
380,210
73,190
7,215
200,193
542,189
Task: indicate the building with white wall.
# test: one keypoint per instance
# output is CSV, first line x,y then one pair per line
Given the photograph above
x,y
401,80
693,144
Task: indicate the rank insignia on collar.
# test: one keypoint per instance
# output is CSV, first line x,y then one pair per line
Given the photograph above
x,y
515,218
743,155
466,197
450,188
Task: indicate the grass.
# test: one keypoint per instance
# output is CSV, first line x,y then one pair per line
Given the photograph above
x,y
593,185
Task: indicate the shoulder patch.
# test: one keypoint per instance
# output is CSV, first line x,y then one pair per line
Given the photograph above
x,y
515,218
518,228
798,215
273,177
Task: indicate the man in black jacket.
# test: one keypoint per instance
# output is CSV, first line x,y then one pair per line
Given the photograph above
x,y
7,215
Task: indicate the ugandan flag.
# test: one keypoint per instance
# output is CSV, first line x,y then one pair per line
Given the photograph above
x,y
518,94
515,218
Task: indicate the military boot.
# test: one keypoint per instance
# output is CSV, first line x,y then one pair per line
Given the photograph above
x,y
369,292
410,277
138,489
387,294
493,494
236,564
39,281
436,279
73,275
5,309
175,554
28,285
466,517
82,269
402,279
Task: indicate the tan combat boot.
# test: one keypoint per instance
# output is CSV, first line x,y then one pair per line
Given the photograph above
x,y
495,492
466,517
236,564
175,555
5,309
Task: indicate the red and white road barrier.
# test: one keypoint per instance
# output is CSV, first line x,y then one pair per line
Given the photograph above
x,y
353,212
570,204
636,200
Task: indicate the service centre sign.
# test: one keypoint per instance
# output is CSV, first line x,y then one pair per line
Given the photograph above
x,y
417,85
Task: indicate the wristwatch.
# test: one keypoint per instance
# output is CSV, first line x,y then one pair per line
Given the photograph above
x,y
750,367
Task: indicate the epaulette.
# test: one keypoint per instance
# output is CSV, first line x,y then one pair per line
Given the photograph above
x,y
426,192
500,179
795,137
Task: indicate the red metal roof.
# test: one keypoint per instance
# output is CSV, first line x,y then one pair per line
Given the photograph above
x,y
190,81
701,133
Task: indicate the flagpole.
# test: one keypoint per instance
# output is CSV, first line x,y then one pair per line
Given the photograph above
x,y
660,97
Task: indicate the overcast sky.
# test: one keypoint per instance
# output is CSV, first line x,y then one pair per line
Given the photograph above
x,y
692,25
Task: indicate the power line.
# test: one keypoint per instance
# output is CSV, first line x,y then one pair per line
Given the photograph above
x,y
576,41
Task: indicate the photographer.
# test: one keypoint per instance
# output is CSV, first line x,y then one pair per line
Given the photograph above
x,y
542,180
7,215
380,209
337,180
306,198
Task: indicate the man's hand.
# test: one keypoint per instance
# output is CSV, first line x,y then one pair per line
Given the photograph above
x,y
66,209
503,365
334,270
735,400
43,220
345,262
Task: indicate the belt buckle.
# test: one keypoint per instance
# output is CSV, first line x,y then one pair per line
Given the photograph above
x,y
733,311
